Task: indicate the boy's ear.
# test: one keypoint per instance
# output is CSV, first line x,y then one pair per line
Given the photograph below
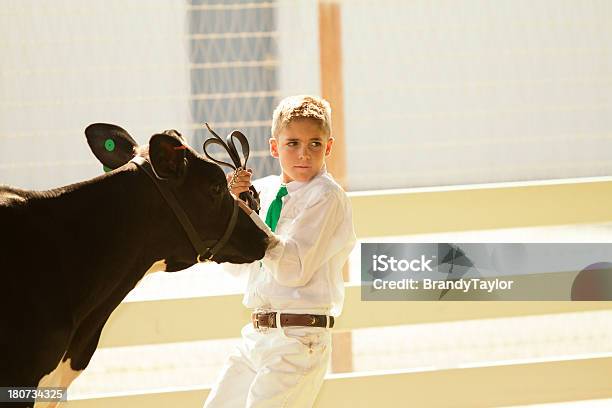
x,y
273,147
168,155
328,146
112,145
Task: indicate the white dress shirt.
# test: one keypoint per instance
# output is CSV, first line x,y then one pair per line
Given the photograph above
x,y
303,272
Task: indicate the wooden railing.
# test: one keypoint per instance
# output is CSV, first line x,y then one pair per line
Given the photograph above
x,y
403,213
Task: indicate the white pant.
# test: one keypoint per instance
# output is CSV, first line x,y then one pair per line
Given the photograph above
x,y
274,368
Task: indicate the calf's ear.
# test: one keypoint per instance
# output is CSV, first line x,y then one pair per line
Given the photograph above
x,y
168,155
112,145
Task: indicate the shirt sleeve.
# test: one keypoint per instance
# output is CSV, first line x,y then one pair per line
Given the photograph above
x,y
240,269
309,243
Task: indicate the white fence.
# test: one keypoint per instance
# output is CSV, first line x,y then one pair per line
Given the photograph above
x,y
401,213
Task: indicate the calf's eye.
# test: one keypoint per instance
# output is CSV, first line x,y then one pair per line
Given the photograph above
x,y
217,189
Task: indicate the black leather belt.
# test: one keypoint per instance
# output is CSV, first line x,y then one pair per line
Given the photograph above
x,y
268,320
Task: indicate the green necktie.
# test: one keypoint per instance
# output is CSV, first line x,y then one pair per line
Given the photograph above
x,y
275,208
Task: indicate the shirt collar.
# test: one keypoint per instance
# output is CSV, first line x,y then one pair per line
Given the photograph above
x,y
294,186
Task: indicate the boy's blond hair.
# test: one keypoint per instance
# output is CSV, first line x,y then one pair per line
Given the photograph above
x,y
301,107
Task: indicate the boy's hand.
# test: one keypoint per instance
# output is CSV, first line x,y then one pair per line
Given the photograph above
x,y
240,181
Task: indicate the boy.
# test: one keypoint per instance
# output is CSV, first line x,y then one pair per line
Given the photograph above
x,y
297,289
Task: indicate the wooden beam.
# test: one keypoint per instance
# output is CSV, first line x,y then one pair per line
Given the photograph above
x,y
481,386
494,206
167,321
330,49
484,386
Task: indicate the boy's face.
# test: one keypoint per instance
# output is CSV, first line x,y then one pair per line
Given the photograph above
x,y
301,148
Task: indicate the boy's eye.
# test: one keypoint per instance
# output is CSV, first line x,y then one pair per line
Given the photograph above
x,y
292,144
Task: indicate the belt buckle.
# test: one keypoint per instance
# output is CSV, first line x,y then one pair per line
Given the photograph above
x,y
261,320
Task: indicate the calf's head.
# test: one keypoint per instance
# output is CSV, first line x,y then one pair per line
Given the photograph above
x,y
199,186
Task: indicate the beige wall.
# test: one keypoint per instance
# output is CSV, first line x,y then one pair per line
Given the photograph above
x,y
69,63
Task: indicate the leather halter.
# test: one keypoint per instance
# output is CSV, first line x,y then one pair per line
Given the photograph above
x,y
250,197
205,250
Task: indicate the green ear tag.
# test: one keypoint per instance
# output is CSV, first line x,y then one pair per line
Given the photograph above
x,y
109,145
107,169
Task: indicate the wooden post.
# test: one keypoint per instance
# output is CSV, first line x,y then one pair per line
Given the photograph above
x,y
330,46
330,49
